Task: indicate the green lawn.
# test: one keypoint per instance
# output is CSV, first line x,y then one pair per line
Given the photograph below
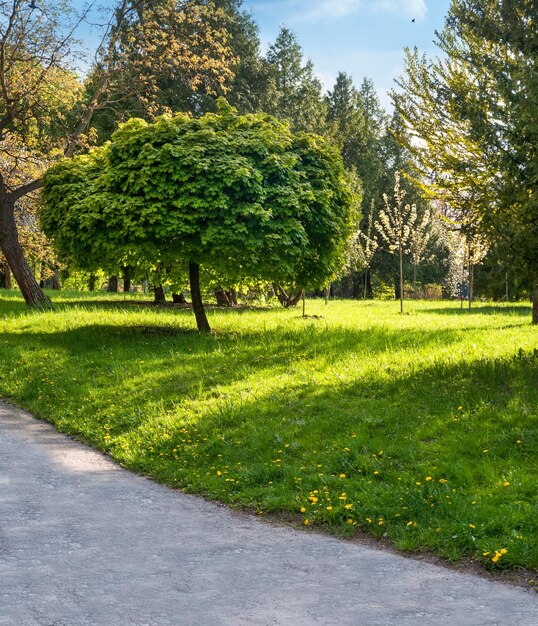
x,y
420,427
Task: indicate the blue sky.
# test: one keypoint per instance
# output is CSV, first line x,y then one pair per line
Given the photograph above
x,y
359,37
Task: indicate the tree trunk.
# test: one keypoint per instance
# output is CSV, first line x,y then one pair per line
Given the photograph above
x,y
159,297
112,284
222,297
368,293
9,243
535,302
179,298
196,296
401,279
232,297
126,279
285,299
91,282
471,279
56,279
5,277
280,294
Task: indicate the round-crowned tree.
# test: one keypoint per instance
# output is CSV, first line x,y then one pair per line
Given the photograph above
x,y
239,194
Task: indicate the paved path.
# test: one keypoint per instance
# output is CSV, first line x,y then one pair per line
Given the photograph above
x,y
83,541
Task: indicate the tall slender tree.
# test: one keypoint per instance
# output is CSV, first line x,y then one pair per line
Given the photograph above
x,y
294,93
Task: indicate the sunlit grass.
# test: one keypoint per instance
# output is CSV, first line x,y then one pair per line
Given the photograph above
x,y
419,427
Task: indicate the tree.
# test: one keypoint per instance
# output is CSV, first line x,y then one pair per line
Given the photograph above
x,y
472,124
36,46
367,246
294,93
420,236
395,227
239,195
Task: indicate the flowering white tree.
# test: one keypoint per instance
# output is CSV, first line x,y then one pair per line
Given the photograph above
x,y
419,239
367,246
395,226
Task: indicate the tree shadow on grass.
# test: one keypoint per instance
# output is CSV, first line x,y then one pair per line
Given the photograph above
x,y
166,363
478,309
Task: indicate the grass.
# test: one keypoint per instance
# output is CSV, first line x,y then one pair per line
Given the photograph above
x,y
420,428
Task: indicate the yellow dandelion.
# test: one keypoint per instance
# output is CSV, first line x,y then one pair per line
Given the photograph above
x,y
303,510
506,483
329,508
503,551
348,506
306,522
376,473
428,478
472,526
342,475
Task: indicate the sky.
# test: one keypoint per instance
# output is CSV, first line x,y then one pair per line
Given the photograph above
x,y
359,37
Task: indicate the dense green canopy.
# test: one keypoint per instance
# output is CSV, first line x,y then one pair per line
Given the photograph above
x,y
241,195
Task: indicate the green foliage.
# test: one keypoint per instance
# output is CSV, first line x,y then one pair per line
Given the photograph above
x,y
471,117
428,418
241,195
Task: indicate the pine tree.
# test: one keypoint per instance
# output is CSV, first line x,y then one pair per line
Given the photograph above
x,y
294,93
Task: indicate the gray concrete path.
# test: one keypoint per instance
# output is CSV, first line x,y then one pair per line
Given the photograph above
x,y
83,541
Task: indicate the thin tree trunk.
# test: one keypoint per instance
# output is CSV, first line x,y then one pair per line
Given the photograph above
x,y
471,277
9,243
196,296
91,282
535,302
56,279
304,304
401,279
178,298
414,281
462,284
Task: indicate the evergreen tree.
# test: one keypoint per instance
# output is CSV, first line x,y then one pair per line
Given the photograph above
x,y
294,93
